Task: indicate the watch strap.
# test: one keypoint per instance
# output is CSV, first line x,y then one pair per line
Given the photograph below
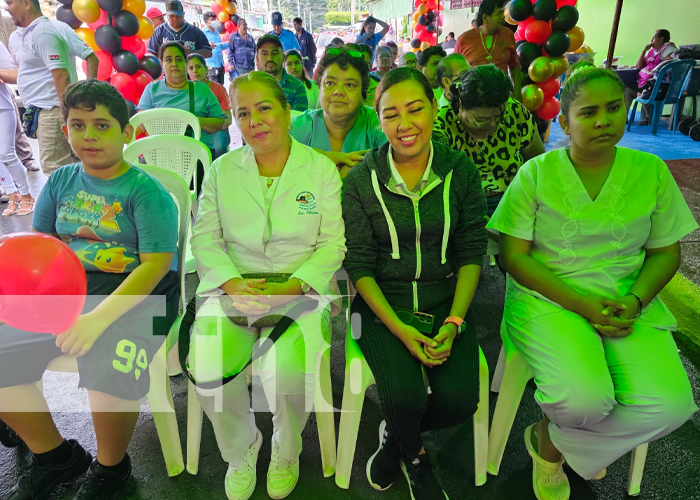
x,y
458,322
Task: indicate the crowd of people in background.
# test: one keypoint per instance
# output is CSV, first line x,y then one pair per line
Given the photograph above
x,y
407,170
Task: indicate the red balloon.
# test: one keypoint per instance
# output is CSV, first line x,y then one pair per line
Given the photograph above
x,y
550,87
549,109
230,26
520,32
224,37
417,3
562,3
104,67
134,44
431,4
141,79
43,284
216,8
537,32
102,20
419,28
124,84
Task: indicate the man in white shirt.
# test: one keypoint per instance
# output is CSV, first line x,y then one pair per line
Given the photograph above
x,y
41,54
77,48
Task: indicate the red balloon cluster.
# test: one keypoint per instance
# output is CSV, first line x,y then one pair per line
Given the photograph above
x,y
43,284
115,30
427,23
546,31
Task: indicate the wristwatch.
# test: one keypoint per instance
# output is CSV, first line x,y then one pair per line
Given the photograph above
x,y
458,322
304,286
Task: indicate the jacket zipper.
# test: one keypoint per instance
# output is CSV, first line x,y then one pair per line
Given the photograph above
x,y
416,215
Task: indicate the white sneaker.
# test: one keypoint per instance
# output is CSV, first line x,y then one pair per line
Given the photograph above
x,y
549,481
240,477
282,476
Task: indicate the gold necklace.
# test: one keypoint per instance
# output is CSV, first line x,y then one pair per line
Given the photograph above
x,y
489,57
270,181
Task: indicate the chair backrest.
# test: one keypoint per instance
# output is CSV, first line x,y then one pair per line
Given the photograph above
x,y
692,88
161,121
176,153
680,70
180,192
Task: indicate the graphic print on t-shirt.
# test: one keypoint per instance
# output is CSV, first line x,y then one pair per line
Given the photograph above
x,y
94,223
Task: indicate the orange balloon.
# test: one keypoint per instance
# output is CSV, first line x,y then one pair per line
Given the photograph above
x,y
87,11
222,2
136,7
506,15
87,36
561,64
424,45
422,9
577,37
231,8
145,28
416,15
223,16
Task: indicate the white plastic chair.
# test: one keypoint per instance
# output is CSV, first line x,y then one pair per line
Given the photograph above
x,y
168,121
177,154
358,377
509,380
325,421
159,396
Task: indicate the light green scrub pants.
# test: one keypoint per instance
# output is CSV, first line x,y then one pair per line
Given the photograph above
x,y
604,396
287,371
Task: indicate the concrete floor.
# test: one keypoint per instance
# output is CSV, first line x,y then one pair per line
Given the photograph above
x,y
671,473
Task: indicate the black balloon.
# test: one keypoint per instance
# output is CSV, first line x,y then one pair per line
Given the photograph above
x,y
544,10
151,65
565,18
440,31
415,43
431,28
520,10
432,16
126,23
108,39
235,18
423,20
132,108
519,43
528,52
557,44
110,6
125,62
67,3
219,27
526,80
65,14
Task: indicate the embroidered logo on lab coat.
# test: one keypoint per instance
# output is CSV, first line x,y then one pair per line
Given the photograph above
x,y
307,203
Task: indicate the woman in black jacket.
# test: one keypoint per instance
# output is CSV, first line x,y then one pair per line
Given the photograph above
x,y
414,215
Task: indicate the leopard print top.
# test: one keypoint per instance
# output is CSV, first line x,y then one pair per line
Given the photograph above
x,y
497,157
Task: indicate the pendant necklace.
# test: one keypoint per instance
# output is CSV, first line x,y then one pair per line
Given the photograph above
x,y
489,57
270,181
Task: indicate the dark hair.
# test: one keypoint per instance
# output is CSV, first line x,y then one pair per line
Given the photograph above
x,y
369,20
199,57
665,34
578,81
86,95
304,78
343,60
483,86
298,20
445,65
169,44
451,33
258,78
487,8
208,14
392,44
576,66
399,75
336,42
435,50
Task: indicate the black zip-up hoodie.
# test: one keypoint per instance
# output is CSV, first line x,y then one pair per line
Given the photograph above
x,y
414,248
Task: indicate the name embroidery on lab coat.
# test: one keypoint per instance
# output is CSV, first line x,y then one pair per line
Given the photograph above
x,y
307,203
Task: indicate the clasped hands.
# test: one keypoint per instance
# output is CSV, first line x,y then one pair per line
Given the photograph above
x,y
256,297
609,317
430,352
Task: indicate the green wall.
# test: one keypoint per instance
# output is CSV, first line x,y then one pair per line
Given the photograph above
x,y
639,20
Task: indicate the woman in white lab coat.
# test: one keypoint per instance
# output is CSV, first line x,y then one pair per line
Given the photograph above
x,y
272,206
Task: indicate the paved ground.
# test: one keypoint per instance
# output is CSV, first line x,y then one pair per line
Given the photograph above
x,y
671,472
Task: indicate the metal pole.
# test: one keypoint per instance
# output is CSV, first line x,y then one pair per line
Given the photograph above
x,y
613,35
352,13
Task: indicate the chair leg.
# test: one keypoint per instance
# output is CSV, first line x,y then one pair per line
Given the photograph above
x,y
515,377
174,368
639,457
655,117
632,113
194,429
481,423
325,419
161,400
498,373
349,423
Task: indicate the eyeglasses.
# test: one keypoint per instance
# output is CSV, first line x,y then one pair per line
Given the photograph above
x,y
334,51
486,120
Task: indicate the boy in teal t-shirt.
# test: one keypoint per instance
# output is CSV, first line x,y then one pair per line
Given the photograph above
x,y
122,225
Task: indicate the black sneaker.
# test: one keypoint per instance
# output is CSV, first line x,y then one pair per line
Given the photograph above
x,y
421,481
384,466
41,479
102,483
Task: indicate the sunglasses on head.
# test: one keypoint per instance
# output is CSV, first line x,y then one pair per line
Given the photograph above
x,y
334,51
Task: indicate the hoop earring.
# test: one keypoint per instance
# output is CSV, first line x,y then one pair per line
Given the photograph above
x,y
290,126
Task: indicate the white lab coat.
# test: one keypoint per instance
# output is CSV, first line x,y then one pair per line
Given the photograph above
x,y
308,233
